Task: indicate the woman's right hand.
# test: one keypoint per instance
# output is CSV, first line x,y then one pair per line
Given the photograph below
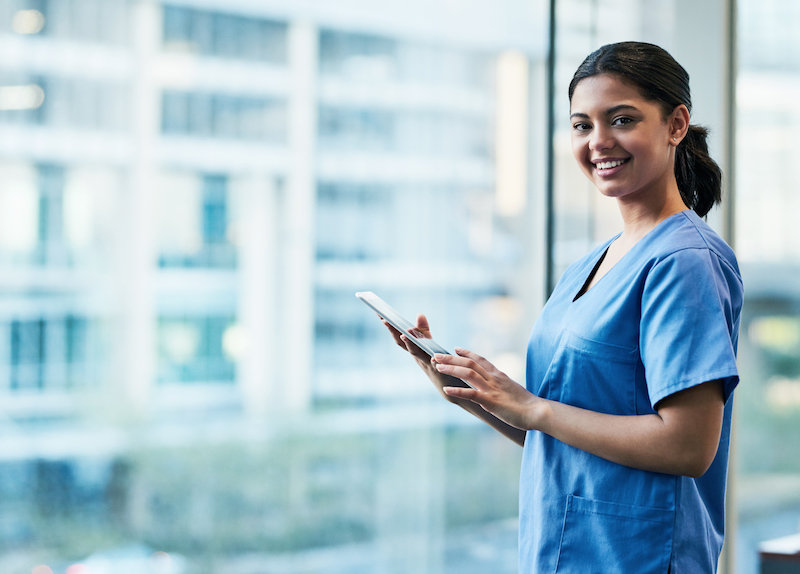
x,y
439,380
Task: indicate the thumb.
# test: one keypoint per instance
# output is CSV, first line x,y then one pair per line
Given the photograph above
x,y
422,323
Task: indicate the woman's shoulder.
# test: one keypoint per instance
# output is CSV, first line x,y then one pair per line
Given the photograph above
x,y
687,233
689,254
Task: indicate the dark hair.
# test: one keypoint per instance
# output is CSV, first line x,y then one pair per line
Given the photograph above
x,y
659,78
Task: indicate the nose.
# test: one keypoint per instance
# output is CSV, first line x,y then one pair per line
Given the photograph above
x,y
601,139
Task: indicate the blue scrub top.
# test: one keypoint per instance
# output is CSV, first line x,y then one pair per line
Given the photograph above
x,y
663,319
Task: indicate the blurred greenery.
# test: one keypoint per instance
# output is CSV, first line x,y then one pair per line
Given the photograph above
x,y
768,432
280,495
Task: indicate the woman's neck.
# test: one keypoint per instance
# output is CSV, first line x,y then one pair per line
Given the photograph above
x,y
640,217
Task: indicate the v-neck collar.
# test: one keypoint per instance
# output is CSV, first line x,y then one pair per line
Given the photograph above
x,y
585,287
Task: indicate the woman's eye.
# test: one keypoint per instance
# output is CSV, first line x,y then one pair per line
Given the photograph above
x,y
581,126
622,121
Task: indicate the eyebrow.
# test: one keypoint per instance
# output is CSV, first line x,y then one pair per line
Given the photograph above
x,y
608,112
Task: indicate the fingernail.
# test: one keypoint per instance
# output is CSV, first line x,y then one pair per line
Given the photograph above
x,y
439,366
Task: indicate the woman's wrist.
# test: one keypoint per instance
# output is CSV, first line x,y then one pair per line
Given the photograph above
x,y
540,415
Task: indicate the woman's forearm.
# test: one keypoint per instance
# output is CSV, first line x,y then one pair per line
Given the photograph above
x,y
681,439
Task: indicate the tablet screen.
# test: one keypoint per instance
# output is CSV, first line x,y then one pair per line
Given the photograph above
x,y
400,323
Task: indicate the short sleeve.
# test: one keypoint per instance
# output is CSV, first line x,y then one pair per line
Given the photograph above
x,y
690,319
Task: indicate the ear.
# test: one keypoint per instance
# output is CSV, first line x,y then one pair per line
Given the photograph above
x,y
678,122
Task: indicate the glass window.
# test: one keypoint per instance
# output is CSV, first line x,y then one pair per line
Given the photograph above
x,y
50,353
180,347
195,224
224,35
357,55
353,221
19,212
102,21
192,350
365,129
35,232
51,214
224,116
62,102
370,58
27,354
419,132
768,246
215,220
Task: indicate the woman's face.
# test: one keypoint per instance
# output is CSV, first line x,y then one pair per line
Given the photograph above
x,y
622,141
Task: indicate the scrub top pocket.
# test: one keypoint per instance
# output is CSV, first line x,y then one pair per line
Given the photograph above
x,y
607,538
593,375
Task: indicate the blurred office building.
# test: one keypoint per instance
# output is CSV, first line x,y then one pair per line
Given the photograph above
x,y
190,195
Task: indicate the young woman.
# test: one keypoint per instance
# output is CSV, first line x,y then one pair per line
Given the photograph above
x,y
625,416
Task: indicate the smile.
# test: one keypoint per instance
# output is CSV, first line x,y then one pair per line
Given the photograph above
x,y
610,164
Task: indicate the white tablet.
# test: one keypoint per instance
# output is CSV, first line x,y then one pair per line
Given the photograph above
x,y
400,323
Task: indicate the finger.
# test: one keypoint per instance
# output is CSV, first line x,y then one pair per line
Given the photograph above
x,y
395,334
462,393
422,325
484,363
414,349
456,361
468,374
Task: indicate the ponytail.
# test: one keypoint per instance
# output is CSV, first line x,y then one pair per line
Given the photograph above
x,y
659,78
699,177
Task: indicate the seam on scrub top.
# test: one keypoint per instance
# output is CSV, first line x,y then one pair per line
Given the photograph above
x,y
710,248
680,385
631,354
563,530
678,494
628,361
597,513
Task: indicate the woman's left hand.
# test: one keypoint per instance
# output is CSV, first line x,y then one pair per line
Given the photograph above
x,y
491,388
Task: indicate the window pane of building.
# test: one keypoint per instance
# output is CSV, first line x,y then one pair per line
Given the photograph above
x,y
224,35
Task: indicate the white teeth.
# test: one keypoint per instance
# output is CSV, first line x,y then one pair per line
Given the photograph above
x,y
609,164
